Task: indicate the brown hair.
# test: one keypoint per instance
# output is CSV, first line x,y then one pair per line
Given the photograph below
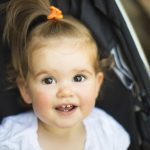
x,y
26,21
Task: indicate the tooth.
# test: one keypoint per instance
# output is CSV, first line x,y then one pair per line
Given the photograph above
x,y
69,106
65,110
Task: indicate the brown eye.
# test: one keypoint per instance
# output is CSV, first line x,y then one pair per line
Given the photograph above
x,y
79,78
49,80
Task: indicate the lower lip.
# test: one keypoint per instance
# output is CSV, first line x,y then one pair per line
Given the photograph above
x,y
67,113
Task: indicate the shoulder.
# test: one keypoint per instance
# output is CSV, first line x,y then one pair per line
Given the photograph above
x,y
18,121
101,118
107,130
17,129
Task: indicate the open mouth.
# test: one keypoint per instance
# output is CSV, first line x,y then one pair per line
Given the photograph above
x,y
66,108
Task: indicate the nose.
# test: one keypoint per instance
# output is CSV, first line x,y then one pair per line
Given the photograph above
x,y
65,91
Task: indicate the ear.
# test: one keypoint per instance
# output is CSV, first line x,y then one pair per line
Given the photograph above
x,y
22,85
99,81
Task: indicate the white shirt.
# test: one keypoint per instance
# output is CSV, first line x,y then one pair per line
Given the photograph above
x,y
19,132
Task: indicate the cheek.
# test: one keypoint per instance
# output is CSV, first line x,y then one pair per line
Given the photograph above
x,y
89,90
88,97
41,99
87,104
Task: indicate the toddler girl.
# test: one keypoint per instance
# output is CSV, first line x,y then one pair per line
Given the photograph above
x,y
55,65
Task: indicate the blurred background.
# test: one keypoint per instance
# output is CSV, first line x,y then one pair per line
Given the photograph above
x,y
139,15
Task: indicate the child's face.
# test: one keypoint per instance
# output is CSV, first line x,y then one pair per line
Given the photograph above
x,y
62,85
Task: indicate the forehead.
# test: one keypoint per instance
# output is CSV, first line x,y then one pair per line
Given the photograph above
x,y
55,51
62,49
62,45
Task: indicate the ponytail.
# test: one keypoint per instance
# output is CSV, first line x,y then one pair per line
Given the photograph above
x,y
21,17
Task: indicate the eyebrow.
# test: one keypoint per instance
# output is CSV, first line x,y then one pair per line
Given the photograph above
x,y
55,72
83,71
43,72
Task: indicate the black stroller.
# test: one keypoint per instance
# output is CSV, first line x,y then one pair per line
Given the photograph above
x,y
126,90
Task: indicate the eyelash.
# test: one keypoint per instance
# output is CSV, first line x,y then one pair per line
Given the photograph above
x,y
76,78
82,78
49,80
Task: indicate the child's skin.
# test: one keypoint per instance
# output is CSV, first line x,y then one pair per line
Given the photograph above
x,y
61,75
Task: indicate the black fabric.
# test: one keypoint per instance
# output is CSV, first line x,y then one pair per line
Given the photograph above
x,y
119,102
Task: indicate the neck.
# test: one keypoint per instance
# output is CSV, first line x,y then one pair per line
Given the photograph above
x,y
60,132
58,137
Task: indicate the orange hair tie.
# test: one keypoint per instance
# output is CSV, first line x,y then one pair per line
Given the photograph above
x,y
55,13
